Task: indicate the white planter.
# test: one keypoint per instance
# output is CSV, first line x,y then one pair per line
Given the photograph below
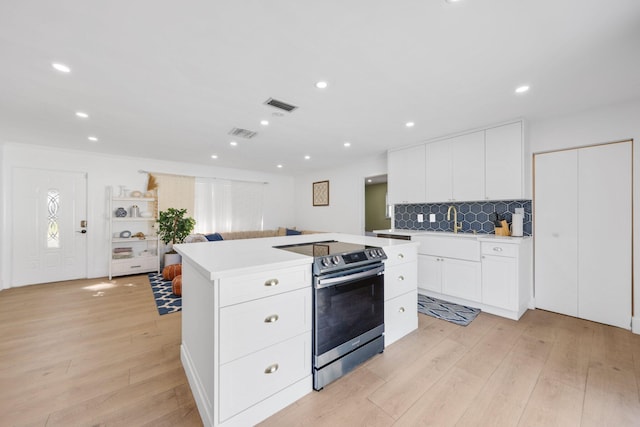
x,y
170,259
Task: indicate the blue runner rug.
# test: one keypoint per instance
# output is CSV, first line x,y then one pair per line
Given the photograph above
x,y
440,309
166,301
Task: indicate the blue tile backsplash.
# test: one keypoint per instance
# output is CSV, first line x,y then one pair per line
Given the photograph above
x,y
473,215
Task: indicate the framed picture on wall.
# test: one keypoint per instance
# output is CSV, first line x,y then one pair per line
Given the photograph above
x,y
321,193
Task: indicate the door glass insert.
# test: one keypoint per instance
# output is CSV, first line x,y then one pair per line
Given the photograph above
x,y
53,232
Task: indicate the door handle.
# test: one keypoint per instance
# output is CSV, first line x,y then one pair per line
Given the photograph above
x,y
82,231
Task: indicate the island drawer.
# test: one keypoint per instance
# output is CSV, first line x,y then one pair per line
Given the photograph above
x,y
400,317
234,290
248,380
252,326
400,279
400,253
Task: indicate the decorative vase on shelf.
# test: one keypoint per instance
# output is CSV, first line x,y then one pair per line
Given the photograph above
x,y
121,212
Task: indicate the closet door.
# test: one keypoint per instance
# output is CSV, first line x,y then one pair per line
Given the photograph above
x,y
556,231
604,234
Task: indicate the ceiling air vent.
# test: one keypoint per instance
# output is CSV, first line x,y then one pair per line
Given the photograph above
x,y
243,133
280,105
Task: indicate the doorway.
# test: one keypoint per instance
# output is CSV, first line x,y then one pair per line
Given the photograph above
x,y
376,208
49,240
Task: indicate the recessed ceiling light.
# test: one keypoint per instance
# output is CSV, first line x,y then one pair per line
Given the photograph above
x,y
347,144
233,143
61,67
322,85
279,166
214,156
92,138
82,114
522,89
264,122
307,157
451,1
409,124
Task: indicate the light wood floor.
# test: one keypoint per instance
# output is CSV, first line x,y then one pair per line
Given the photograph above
x,y
84,354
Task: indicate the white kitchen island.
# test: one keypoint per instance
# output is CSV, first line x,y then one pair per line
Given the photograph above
x,y
247,319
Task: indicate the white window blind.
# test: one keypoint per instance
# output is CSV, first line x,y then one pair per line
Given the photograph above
x,y
225,205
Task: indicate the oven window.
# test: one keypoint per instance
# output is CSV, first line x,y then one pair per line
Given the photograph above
x,y
347,310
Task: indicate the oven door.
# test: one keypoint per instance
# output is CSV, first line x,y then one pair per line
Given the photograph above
x,y
349,311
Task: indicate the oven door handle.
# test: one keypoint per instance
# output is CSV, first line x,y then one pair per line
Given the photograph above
x,y
370,272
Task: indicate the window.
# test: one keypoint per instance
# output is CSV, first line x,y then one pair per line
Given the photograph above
x,y
225,205
53,231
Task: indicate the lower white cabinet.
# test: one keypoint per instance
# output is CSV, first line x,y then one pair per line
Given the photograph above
x,y
493,274
400,292
252,378
506,276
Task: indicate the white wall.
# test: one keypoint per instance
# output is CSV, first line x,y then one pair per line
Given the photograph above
x,y
345,213
104,171
607,124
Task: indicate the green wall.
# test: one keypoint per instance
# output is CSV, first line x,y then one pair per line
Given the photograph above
x,y
374,207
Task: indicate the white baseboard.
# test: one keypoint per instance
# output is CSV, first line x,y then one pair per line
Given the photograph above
x,y
635,325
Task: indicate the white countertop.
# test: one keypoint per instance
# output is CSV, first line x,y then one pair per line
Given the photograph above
x,y
480,236
227,258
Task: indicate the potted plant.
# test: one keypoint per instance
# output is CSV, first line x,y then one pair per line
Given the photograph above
x,y
173,228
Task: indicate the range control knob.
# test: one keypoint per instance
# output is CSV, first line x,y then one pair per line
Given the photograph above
x,y
324,262
372,253
336,260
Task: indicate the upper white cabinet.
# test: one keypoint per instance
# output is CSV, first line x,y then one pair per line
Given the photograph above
x,y
406,170
503,162
482,165
455,168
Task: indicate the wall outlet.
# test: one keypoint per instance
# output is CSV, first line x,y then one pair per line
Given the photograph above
x,y
432,217
420,218
520,211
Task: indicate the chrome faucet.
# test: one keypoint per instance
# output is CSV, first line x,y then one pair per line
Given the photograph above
x,y
456,225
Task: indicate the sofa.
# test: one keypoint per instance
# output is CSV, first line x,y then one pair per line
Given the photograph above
x,y
235,235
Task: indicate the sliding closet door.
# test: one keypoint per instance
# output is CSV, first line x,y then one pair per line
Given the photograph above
x,y
604,234
556,232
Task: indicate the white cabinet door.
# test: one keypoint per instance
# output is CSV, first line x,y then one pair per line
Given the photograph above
x,y
556,232
500,282
503,162
467,159
604,261
406,175
461,279
430,273
438,175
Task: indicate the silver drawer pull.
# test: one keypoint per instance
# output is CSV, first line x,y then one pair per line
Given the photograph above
x,y
271,319
497,249
271,282
401,310
400,256
271,369
135,266
400,278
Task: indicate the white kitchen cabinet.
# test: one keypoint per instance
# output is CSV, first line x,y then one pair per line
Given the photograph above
x,y
504,157
430,273
455,168
506,273
133,238
406,175
439,186
584,266
461,278
246,353
400,292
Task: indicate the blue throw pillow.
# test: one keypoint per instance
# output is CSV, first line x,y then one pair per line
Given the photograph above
x,y
291,232
213,237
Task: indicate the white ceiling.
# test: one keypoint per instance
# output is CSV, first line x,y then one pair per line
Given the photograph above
x,y
169,79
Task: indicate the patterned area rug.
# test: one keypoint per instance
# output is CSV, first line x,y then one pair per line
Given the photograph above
x,y
166,301
454,313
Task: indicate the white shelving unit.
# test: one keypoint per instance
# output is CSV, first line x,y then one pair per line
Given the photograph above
x,y
132,255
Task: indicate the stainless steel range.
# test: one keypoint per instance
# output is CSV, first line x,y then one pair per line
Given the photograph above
x,y
348,314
